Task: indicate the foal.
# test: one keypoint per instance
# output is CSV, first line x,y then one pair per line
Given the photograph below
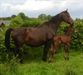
x,y
65,39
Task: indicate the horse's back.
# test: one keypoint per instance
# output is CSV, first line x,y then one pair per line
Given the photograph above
x,y
57,40
65,39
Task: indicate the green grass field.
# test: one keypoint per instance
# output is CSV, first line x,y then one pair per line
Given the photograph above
x,y
60,66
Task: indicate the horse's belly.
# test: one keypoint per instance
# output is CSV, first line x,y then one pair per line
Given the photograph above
x,y
35,42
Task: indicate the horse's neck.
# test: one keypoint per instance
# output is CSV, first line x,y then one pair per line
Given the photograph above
x,y
55,22
68,33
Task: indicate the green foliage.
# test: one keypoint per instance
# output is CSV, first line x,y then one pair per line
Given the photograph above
x,y
16,22
49,17
22,15
13,16
32,22
77,38
62,28
42,16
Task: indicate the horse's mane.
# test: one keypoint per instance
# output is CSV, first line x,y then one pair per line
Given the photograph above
x,y
52,20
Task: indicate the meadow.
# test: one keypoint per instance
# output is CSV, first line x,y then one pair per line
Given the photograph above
x,y
32,57
60,66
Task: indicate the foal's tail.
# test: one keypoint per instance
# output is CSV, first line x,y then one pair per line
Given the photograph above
x,y
7,38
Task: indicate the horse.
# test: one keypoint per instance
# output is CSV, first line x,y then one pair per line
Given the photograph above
x,y
37,36
65,39
1,26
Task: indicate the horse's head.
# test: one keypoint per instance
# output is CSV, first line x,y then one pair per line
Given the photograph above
x,y
70,29
66,17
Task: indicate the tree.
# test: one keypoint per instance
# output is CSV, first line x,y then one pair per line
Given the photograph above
x,y
22,15
13,16
42,16
49,17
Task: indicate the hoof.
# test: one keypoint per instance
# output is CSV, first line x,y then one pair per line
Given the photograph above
x,y
66,58
44,59
50,61
21,61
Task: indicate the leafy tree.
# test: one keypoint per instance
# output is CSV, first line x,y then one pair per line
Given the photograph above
x,y
13,16
49,17
23,16
42,16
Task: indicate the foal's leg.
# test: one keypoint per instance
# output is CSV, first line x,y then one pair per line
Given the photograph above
x,y
52,52
67,46
54,47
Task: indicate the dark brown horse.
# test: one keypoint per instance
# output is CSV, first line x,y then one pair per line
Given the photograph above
x,y
2,24
37,36
65,39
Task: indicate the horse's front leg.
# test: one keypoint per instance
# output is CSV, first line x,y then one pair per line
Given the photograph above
x,y
46,49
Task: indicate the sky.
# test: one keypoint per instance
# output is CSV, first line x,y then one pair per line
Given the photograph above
x,y
33,8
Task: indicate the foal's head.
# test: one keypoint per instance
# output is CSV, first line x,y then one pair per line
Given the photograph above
x,y
70,29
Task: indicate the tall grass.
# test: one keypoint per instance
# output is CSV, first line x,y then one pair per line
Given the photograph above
x,y
60,66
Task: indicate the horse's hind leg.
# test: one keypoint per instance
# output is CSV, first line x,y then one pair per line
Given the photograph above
x,y
17,51
68,48
18,54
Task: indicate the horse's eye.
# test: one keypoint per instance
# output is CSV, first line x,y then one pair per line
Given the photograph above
x,y
68,16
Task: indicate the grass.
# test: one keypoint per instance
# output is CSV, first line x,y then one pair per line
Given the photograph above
x,y
59,67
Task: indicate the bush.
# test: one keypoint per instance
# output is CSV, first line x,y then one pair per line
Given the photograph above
x,y
32,23
16,22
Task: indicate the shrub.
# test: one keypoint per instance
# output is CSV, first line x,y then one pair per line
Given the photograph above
x,y
32,23
16,22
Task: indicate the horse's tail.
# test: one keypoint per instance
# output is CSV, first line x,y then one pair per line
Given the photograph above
x,y
7,38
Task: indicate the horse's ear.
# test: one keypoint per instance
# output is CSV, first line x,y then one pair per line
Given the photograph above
x,y
66,10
